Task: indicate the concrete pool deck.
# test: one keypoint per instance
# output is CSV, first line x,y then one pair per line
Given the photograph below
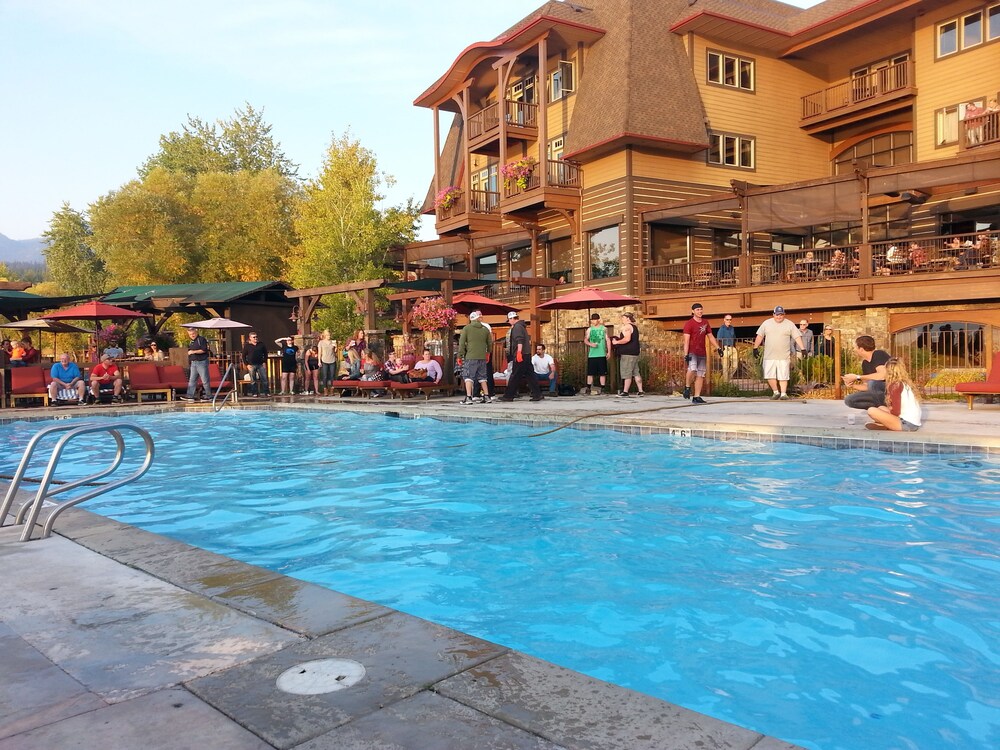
x,y
113,637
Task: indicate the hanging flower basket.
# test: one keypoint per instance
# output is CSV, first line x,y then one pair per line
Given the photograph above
x,y
432,314
518,172
447,197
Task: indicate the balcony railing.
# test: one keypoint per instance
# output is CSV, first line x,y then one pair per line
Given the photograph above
x,y
484,121
518,114
831,264
518,295
561,174
980,131
858,92
471,201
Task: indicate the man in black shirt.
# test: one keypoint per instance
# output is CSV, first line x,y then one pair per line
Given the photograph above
x,y
519,353
868,388
255,359
198,363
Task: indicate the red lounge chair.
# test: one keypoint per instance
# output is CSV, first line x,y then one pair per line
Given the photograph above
x,y
29,382
172,376
988,387
215,378
144,379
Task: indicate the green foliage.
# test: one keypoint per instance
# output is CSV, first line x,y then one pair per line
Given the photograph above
x,y
344,235
815,369
242,143
72,261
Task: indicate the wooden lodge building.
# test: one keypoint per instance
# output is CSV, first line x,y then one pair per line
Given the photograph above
x,y
842,161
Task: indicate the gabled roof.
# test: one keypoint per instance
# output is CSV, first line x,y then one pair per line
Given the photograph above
x,y
195,294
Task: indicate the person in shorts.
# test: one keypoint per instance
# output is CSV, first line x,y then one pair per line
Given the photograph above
x,y
626,345
777,334
697,331
598,349
474,345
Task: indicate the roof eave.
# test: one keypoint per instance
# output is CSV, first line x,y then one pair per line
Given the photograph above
x,y
468,58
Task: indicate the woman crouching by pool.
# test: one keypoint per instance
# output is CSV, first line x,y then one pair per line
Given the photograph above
x,y
901,412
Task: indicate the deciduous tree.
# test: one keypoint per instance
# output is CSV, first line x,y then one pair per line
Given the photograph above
x,y
344,234
73,263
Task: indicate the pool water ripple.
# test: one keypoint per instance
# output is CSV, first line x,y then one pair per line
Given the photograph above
x,y
836,599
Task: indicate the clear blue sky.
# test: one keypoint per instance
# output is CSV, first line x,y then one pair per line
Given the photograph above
x,y
88,86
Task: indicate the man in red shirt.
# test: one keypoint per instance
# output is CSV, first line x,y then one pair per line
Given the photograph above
x,y
696,332
106,373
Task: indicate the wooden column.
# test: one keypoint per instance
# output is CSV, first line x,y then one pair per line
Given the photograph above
x,y
447,289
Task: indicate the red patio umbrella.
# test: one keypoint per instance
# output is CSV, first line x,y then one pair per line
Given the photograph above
x,y
586,298
94,310
469,301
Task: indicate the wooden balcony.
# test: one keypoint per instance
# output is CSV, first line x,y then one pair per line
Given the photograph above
x,y
903,271
979,131
484,126
514,294
473,211
854,99
563,189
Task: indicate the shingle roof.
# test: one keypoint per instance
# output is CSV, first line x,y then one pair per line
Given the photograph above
x,y
637,80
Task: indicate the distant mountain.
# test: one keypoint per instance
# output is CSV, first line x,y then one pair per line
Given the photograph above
x,y
24,251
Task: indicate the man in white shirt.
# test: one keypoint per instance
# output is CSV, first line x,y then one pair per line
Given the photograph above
x,y
545,368
778,335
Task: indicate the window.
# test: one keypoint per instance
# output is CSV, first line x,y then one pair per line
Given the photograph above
x,y
520,261
884,150
486,266
972,30
731,150
730,70
523,91
726,243
946,126
605,262
561,260
968,31
668,244
562,80
947,38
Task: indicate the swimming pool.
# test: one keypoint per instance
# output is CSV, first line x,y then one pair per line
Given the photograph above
x,y
835,599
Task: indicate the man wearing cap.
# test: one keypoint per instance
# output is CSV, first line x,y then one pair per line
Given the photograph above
x,y
778,335
474,344
106,373
726,336
696,332
598,346
519,354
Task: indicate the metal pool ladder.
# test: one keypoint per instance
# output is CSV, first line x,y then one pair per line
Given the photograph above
x,y
222,383
32,508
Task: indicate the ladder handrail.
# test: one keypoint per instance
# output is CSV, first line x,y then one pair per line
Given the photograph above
x,y
33,507
222,382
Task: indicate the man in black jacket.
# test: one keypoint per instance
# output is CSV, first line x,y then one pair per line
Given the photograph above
x,y
519,354
255,359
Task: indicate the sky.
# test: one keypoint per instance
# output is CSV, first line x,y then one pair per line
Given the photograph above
x,y
87,87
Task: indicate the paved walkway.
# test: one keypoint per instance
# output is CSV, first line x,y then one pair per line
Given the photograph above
x,y
112,637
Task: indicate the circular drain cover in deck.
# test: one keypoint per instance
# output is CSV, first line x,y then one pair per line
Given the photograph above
x,y
320,676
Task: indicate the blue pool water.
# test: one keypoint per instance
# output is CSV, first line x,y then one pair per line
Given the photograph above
x,y
836,599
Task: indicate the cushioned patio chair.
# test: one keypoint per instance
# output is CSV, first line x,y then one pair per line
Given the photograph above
x,y
988,387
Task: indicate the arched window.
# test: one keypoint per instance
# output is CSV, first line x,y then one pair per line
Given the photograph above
x,y
883,150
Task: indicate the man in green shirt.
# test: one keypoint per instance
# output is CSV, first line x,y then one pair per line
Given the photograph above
x,y
598,346
473,345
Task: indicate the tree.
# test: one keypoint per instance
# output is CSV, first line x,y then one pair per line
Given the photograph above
x,y
73,263
344,235
246,224
145,231
243,142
